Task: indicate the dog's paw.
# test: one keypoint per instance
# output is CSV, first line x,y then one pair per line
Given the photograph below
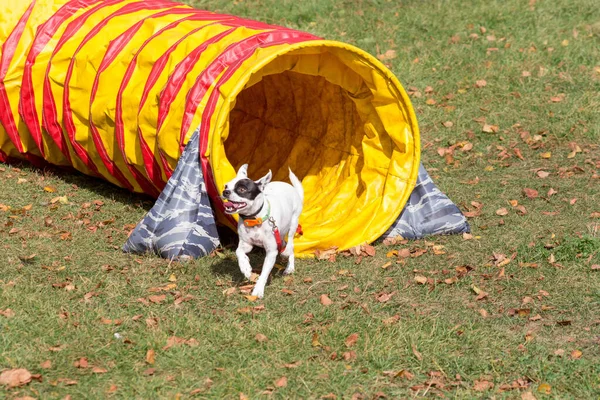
x,y
258,292
246,269
289,270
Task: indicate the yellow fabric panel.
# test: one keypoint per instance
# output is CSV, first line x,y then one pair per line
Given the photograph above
x,y
146,121
104,106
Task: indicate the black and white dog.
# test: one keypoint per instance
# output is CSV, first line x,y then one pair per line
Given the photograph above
x,y
268,211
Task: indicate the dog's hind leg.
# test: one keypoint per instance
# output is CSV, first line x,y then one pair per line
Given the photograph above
x,y
289,249
243,260
259,288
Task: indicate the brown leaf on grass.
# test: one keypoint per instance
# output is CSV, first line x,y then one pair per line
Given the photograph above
x,y
487,128
595,267
420,279
391,320
328,254
388,55
157,299
576,354
530,193
482,385
260,338
46,364
150,356
315,340
527,396
543,174
174,340
368,249
15,377
349,355
544,388
546,155
480,83
325,300
502,211
595,215
385,297
483,313
351,340
149,371
281,382
8,313
99,370
416,352
386,265
81,363
448,124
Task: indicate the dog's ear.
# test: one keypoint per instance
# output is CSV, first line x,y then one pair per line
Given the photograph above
x,y
262,182
243,171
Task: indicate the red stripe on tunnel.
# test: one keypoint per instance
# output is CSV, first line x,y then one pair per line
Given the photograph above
x,y
43,35
153,171
49,112
68,117
114,49
8,51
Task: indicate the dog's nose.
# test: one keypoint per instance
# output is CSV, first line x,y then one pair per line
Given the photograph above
x,y
226,193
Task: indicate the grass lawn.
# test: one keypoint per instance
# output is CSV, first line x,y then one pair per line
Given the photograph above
x,y
508,97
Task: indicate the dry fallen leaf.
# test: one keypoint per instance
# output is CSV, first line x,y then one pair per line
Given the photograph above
x,y
15,377
157,299
576,354
531,193
420,279
351,340
150,354
260,338
391,320
480,83
46,364
482,385
416,352
502,211
281,382
527,396
388,55
544,388
325,300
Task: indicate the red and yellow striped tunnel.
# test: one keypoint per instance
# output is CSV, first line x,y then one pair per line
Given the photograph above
x,y
115,89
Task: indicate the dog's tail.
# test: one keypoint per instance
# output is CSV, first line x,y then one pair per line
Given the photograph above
x,y
297,184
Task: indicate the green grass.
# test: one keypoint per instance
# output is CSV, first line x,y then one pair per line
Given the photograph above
x,y
534,307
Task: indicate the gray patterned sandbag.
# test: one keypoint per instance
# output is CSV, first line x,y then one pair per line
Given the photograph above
x,y
181,223
428,212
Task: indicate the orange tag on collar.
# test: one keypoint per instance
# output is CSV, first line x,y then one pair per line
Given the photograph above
x,y
253,222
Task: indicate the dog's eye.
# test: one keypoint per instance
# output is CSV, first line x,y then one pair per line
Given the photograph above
x,y
242,190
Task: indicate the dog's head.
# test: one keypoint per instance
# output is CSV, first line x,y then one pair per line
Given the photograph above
x,y
243,195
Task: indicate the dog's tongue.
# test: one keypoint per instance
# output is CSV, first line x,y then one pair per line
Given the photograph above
x,y
228,204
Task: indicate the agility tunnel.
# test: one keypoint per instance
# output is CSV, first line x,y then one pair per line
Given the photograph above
x,y
160,98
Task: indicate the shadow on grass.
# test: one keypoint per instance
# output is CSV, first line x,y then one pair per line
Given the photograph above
x,y
92,184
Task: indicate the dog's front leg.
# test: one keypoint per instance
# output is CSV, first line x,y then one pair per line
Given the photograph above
x,y
243,260
259,288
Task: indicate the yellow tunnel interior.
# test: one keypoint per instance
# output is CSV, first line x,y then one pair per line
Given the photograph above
x,y
342,128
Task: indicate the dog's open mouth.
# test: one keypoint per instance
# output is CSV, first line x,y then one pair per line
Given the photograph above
x,y
231,207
